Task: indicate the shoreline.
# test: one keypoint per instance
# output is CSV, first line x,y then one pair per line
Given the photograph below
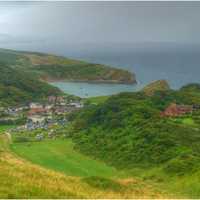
x,y
91,82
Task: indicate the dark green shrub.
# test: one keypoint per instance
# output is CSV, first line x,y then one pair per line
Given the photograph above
x,y
182,165
22,139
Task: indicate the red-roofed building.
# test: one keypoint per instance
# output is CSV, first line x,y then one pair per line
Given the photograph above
x,y
174,110
36,111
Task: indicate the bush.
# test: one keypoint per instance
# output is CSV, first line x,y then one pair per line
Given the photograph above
x,y
103,183
182,165
22,139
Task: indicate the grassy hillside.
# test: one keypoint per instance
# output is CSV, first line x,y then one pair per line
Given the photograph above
x,y
128,132
52,68
21,179
59,155
17,86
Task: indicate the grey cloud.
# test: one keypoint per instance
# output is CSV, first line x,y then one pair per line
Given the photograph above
x,y
100,22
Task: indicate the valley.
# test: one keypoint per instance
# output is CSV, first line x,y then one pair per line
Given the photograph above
x,y
24,179
125,145
133,144
59,155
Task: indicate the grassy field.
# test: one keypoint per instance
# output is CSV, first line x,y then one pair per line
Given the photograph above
x,y
96,100
3,128
59,155
22,179
57,163
188,121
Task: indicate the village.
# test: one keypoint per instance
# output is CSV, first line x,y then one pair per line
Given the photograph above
x,y
41,119
37,115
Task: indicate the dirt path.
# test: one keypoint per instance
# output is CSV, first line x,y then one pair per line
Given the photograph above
x,y
9,137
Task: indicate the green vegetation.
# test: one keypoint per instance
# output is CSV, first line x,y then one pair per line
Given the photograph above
x,y
160,85
18,87
84,73
96,100
103,183
128,132
109,139
21,179
52,68
188,121
3,128
59,155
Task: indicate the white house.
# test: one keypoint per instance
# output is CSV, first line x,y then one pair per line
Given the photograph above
x,y
36,118
35,105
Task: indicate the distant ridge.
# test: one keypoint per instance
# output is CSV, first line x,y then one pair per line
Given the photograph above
x,y
58,68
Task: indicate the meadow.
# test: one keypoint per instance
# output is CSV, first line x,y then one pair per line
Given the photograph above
x,y
3,128
117,147
20,178
59,155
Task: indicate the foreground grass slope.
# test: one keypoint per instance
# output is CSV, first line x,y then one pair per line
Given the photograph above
x,y
21,179
59,155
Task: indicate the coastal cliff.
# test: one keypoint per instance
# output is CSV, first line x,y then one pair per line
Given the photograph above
x,y
53,68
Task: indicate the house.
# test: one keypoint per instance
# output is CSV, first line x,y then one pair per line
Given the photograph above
x,y
48,106
11,111
60,99
36,111
60,110
76,104
36,119
56,99
196,107
52,99
35,105
174,110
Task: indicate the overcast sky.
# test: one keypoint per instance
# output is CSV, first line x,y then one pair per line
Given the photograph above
x,y
98,22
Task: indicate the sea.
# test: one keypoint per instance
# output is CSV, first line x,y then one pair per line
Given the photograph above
x,y
179,65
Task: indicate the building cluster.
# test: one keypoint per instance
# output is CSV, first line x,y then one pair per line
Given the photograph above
x,y
44,115
12,114
174,110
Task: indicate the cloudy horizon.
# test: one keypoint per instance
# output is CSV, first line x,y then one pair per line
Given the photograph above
x,y
53,24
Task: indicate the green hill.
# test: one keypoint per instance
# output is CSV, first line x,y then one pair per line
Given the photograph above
x,y
21,179
128,132
53,68
17,86
24,76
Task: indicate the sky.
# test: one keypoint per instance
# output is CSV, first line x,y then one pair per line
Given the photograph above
x,y
32,25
